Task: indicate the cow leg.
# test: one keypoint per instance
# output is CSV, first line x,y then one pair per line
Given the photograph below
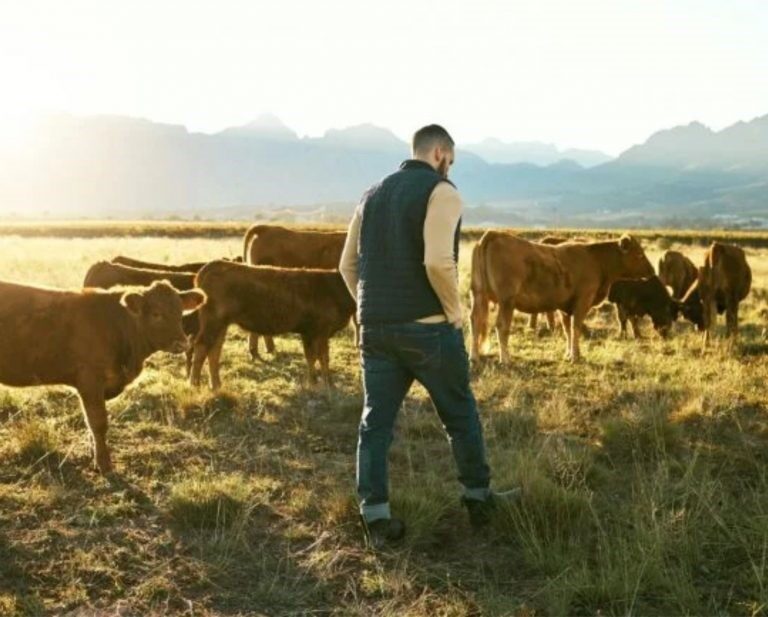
x,y
324,355
310,355
478,323
577,320
621,316
503,323
189,354
533,320
551,322
270,343
204,342
635,321
566,320
95,411
253,346
214,358
710,321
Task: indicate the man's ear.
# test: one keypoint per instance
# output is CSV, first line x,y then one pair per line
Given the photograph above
x,y
133,302
192,299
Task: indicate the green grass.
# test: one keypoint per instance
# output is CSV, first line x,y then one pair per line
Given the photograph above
x,y
644,471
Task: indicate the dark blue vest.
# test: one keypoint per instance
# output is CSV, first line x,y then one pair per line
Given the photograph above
x,y
393,286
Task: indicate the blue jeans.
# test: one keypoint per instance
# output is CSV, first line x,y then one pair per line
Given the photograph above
x,y
393,356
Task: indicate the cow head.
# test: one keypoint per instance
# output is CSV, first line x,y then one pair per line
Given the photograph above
x,y
692,307
158,310
634,262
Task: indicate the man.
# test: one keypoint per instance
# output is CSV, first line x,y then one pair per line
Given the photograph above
x,y
400,264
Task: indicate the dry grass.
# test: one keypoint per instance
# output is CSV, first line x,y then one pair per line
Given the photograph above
x,y
644,469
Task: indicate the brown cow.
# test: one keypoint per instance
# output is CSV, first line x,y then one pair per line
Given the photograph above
x,y
535,278
94,341
678,272
188,267
313,303
636,298
723,281
106,275
274,245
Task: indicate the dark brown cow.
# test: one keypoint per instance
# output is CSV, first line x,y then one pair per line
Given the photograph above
x,y
106,275
678,272
274,245
636,298
313,303
188,267
536,278
94,341
722,283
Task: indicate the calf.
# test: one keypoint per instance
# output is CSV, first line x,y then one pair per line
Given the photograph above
x,y
312,303
535,278
637,298
678,272
274,245
94,341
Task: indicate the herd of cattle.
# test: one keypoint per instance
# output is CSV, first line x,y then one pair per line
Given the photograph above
x,y
97,339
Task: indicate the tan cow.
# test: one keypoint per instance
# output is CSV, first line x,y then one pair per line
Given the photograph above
x,y
106,275
149,265
723,282
274,245
313,303
535,278
94,341
678,272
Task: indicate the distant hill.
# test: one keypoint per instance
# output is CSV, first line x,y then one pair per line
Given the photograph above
x,y
538,153
111,166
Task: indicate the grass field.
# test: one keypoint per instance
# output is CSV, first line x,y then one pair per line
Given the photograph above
x,y
644,471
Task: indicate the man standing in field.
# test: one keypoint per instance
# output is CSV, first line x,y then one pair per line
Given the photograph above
x,y
400,263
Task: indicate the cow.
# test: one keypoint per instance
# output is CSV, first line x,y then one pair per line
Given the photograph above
x,y
551,322
677,272
106,275
188,267
310,302
274,245
637,298
92,340
534,278
722,283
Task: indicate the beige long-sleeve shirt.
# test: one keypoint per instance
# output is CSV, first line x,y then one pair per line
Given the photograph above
x,y
443,214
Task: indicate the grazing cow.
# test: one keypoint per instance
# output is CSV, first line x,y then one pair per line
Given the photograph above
x,y
94,341
148,265
722,283
534,278
678,272
313,303
273,245
107,275
637,298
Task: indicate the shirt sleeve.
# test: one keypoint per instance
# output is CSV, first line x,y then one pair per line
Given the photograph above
x,y
443,214
348,261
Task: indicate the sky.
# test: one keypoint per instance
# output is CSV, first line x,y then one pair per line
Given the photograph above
x,y
600,74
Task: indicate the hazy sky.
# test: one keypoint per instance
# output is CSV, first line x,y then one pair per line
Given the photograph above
x,y
590,73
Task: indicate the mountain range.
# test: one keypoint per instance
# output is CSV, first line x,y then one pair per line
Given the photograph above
x,y
112,166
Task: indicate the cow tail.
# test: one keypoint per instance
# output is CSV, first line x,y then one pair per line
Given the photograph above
x,y
481,292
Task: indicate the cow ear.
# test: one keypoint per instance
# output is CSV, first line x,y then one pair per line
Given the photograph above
x,y
133,302
625,242
192,299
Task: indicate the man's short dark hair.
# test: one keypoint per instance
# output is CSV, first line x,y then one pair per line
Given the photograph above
x,y
431,136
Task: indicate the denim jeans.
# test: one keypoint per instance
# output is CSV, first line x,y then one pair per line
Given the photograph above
x,y
393,356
